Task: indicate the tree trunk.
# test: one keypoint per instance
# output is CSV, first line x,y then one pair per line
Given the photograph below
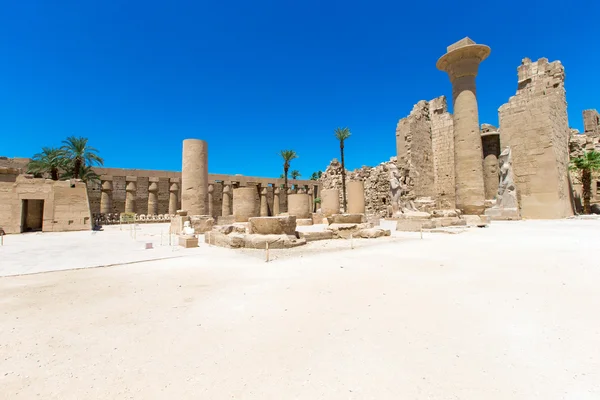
x,y
285,174
586,182
343,177
54,173
76,167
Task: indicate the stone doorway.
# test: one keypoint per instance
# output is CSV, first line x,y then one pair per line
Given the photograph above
x,y
32,215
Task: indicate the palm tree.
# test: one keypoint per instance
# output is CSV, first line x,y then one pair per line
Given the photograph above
x,y
50,161
586,164
86,174
80,155
287,155
342,134
295,174
316,176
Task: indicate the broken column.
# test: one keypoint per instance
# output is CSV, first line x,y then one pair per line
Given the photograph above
x,y
244,203
106,197
194,177
490,141
535,126
298,205
461,62
173,190
356,197
330,202
153,196
130,190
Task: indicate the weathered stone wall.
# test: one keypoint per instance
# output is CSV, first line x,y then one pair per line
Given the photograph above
x,y
442,135
534,124
375,179
65,205
415,151
591,122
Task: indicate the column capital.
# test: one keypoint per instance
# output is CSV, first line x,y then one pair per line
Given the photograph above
x,y
463,58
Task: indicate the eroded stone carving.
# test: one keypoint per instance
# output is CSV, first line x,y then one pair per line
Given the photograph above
x,y
399,190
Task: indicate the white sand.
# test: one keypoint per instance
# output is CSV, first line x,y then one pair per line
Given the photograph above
x,y
507,312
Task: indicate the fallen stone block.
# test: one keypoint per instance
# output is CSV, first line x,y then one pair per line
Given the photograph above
x,y
344,231
372,233
201,223
313,236
275,241
272,225
346,219
304,222
476,220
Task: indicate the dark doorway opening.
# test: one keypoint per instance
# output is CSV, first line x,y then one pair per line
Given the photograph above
x,y
32,215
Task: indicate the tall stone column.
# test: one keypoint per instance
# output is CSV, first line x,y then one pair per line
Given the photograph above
x,y
194,177
264,207
106,197
130,190
226,206
311,200
276,192
153,197
211,190
173,190
461,62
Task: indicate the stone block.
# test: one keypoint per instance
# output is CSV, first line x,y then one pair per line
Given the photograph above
x,y
317,218
283,241
345,230
188,241
272,225
177,223
476,220
346,219
201,223
313,236
372,233
503,214
304,222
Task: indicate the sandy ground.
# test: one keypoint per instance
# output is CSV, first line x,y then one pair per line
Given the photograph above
x,y
507,312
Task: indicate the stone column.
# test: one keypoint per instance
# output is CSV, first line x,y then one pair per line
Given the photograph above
x,y
491,151
130,190
173,190
330,202
211,190
311,200
298,205
226,206
461,62
244,203
276,204
356,197
264,207
194,177
106,197
153,196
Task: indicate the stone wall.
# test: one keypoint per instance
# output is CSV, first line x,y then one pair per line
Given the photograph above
x,y
375,179
534,124
415,151
56,206
442,134
591,123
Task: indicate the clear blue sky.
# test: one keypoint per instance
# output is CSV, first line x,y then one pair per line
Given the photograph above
x,y
254,77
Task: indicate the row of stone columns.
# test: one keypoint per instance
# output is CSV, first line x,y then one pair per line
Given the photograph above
x,y
130,196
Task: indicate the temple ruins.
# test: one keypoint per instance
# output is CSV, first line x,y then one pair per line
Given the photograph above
x,y
448,170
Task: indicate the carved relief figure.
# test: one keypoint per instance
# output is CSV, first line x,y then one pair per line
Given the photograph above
x,y
507,192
